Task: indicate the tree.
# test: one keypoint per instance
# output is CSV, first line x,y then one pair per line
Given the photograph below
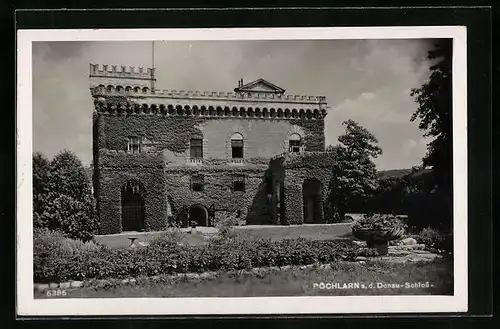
x,y
41,170
354,173
434,100
70,201
434,111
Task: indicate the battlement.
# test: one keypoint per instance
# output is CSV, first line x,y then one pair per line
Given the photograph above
x,y
121,71
194,94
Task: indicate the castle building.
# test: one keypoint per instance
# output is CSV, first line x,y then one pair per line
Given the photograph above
x,y
165,156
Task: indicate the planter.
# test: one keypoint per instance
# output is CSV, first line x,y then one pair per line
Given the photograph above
x,y
378,238
371,234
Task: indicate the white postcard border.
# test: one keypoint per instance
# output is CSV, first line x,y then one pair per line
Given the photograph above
x,y
28,306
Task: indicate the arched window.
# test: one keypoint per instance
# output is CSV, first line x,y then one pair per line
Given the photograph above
x,y
294,143
237,146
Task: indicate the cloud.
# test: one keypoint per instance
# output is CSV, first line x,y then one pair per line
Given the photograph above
x,y
365,80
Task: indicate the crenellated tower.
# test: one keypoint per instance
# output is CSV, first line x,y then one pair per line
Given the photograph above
x,y
121,75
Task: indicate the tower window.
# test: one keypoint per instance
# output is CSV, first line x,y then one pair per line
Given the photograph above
x,y
197,183
237,146
134,145
239,183
196,148
294,143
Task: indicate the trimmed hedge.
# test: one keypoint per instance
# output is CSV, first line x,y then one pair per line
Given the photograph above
x,y
53,263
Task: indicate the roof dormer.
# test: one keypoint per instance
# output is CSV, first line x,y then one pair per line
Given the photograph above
x,y
258,86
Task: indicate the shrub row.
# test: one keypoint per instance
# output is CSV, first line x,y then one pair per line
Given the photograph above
x,y
54,261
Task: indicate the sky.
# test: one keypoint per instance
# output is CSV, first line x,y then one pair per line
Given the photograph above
x,y
368,81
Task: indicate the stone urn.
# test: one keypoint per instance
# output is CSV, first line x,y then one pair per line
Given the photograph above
x,y
378,230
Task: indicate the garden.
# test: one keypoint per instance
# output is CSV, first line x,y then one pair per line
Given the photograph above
x,y
232,263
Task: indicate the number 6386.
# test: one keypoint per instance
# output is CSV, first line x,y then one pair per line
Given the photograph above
x,y
56,293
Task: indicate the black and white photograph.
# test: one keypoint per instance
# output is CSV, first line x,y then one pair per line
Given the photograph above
x,y
242,171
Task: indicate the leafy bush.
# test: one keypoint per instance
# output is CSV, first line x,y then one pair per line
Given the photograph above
x,y
367,252
380,222
169,236
62,196
225,227
432,238
73,217
56,260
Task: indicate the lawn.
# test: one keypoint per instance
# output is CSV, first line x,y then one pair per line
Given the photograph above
x,y
308,231
122,239
373,278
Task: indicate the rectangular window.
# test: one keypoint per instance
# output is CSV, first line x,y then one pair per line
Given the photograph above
x,y
134,145
196,148
295,146
239,183
197,183
237,149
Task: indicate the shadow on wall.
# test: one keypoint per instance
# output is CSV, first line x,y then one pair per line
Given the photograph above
x,y
259,211
312,199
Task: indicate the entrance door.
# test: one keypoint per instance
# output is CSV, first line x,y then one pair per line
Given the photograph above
x,y
132,207
199,214
311,193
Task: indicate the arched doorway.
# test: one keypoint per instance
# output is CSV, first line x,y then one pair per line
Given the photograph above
x,y
199,214
312,199
132,195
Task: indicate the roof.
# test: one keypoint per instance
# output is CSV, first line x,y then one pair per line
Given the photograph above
x,y
261,86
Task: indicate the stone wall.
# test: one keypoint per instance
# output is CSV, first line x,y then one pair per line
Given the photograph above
x,y
218,191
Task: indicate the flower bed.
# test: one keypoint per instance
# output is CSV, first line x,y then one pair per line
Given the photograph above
x,y
53,263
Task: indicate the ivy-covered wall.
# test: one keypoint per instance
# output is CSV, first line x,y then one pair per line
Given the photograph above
x,y
172,133
294,183
164,180
218,191
293,171
115,170
315,133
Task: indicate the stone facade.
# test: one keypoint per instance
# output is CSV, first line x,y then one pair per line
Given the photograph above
x,y
162,156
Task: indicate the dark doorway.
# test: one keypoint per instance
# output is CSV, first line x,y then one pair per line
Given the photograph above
x,y
312,199
132,206
199,214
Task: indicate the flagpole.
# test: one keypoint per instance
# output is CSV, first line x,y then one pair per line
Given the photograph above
x,y
152,66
